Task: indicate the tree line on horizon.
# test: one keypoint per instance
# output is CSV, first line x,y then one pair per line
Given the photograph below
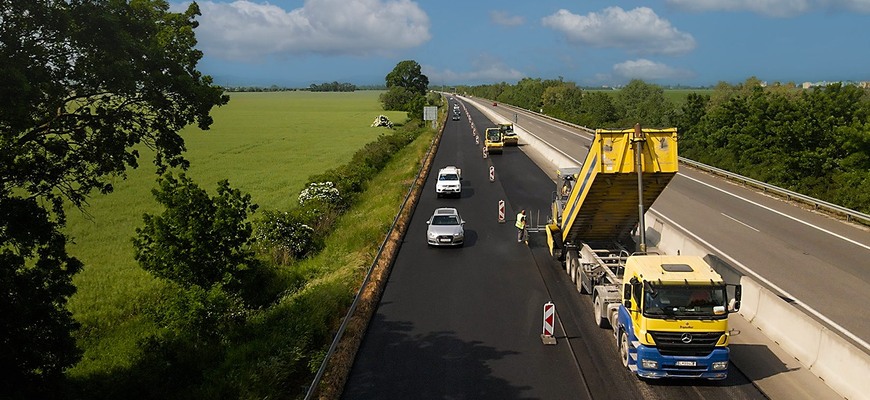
x,y
812,141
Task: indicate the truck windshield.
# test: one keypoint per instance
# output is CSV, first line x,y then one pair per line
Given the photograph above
x,y
672,301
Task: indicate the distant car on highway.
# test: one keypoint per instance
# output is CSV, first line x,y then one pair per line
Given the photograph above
x,y
446,228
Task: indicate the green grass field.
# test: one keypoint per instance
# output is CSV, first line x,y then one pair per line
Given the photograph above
x,y
265,144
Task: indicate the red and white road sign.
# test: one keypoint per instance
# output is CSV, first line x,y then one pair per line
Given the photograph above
x,y
501,211
549,318
491,173
549,322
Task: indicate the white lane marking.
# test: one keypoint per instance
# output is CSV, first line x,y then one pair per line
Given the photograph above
x,y
780,213
772,285
739,222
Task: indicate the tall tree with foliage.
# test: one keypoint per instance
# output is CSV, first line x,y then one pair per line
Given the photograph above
x,y
563,101
85,83
643,103
598,111
198,240
408,74
406,89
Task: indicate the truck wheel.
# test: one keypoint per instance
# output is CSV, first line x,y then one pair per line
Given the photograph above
x,y
599,318
623,348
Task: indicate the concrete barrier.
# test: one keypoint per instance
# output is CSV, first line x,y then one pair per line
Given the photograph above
x,y
842,367
794,331
751,297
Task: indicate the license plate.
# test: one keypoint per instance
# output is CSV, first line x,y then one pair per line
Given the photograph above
x,y
686,363
445,240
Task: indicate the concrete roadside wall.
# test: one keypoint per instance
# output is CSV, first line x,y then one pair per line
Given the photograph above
x,y
842,365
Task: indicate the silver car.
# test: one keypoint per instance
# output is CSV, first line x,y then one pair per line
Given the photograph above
x,y
445,228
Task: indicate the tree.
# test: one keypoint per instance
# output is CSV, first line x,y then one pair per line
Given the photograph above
x,y
397,98
198,240
643,103
563,101
407,75
85,83
597,110
406,89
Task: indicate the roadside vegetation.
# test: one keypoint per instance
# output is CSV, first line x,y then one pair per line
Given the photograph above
x,y
114,286
812,141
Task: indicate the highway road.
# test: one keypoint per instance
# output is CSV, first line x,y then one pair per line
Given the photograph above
x,y
465,323
817,263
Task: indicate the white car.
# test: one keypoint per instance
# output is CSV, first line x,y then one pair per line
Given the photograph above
x,y
446,228
449,182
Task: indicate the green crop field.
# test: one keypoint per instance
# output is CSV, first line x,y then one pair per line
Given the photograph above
x,y
265,144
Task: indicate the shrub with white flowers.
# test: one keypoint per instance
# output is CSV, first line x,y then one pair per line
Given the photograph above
x,y
322,191
285,236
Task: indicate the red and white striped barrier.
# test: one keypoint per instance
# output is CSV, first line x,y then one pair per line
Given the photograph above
x,y
476,139
491,173
501,211
484,152
549,322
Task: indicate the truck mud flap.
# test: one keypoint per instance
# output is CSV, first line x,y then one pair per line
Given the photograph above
x,y
554,242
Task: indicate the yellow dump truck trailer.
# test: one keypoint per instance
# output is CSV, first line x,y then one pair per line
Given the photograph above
x,y
669,314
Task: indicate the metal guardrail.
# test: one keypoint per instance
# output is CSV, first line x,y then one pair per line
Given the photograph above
x,y
817,204
315,383
849,214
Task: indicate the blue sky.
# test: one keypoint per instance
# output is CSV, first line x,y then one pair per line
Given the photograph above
x,y
690,42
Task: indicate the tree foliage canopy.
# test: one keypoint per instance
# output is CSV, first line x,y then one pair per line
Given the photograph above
x,y
406,89
85,83
197,240
407,74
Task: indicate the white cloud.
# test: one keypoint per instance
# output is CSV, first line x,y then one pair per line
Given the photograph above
x,y
503,18
647,70
484,69
861,6
773,8
244,30
639,30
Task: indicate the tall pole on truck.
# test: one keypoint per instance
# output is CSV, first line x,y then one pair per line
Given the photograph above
x,y
638,167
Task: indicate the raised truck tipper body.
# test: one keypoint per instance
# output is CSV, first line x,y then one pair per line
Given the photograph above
x,y
449,182
669,314
494,141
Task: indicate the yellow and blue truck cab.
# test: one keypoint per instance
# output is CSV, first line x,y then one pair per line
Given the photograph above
x,y
673,321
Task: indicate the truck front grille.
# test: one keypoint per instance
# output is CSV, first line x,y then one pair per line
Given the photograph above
x,y
697,344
